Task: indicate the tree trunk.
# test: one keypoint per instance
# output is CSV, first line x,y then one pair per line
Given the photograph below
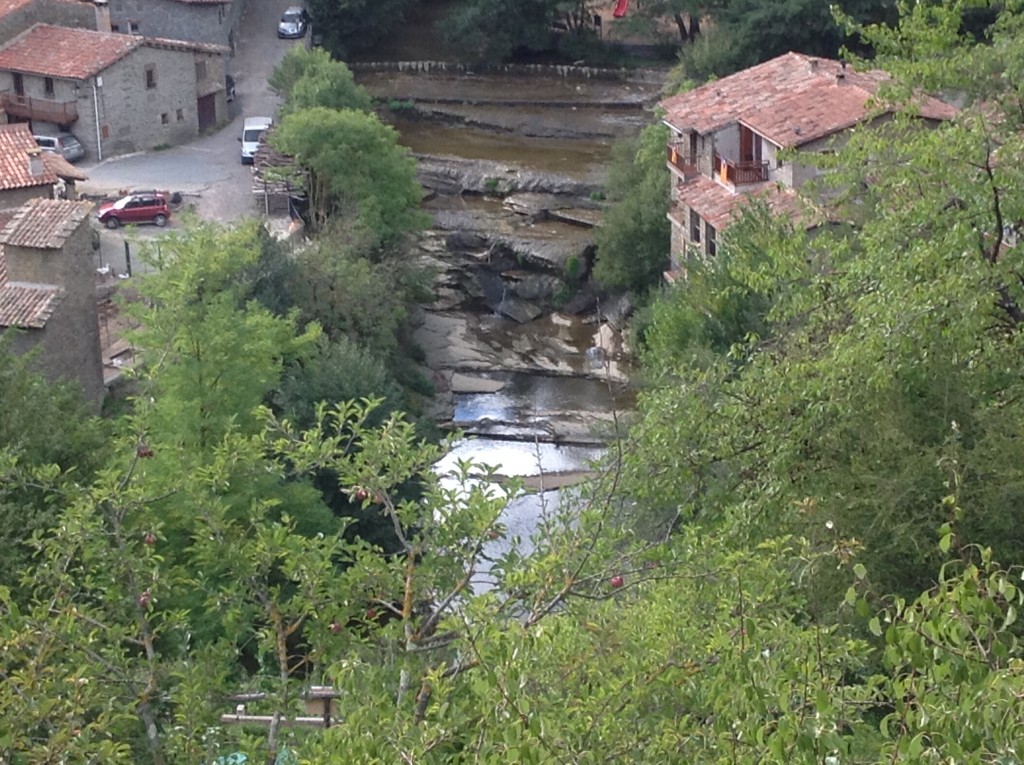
x,y
684,36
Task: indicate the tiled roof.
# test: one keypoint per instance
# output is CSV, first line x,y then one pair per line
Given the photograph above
x,y
66,53
24,305
791,100
60,167
44,223
16,142
719,205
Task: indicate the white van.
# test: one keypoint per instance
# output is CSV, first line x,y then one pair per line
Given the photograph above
x,y
253,129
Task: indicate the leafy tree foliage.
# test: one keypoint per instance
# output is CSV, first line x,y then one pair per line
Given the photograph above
x,y
633,243
742,33
42,424
838,423
309,78
357,170
880,353
493,30
350,26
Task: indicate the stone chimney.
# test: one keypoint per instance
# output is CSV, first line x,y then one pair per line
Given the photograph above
x,y
35,163
841,74
102,15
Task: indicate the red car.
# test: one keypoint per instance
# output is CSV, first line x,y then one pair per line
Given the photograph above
x,y
135,208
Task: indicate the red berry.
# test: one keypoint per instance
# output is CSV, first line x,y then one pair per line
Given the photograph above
x,y
360,494
144,599
150,538
616,581
371,613
335,627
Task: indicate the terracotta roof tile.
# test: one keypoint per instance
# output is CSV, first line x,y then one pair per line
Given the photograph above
x,y
24,305
60,167
719,205
44,223
16,144
791,100
63,52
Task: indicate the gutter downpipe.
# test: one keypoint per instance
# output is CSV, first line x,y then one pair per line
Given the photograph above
x,y
96,115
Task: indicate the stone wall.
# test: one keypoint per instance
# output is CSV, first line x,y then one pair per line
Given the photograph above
x,y
56,12
70,343
196,22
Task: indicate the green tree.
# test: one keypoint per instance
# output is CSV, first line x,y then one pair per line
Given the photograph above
x,y
492,31
747,32
351,26
195,313
633,243
43,423
357,170
310,78
882,350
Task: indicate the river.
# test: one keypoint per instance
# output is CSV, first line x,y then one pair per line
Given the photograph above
x,y
525,360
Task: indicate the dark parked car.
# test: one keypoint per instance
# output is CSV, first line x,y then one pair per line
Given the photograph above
x,y
293,23
64,144
135,208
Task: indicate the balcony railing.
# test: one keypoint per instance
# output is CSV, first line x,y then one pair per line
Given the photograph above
x,y
739,173
683,161
42,109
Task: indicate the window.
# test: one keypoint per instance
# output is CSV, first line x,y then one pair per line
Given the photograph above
x,y
165,118
694,227
133,27
48,86
200,70
19,84
115,27
711,244
180,115
150,76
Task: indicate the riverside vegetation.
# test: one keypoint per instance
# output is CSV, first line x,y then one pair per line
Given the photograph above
x,y
804,551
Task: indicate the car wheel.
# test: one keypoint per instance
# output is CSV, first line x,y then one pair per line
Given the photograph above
x,y
160,220
111,222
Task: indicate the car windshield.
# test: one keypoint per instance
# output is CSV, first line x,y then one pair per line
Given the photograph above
x,y
121,203
291,18
252,135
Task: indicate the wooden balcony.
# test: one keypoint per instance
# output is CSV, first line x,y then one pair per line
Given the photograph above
x,y
682,160
42,109
739,173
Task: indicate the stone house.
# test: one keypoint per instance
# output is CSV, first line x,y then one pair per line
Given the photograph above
x,y
48,291
18,15
203,21
118,93
27,173
741,138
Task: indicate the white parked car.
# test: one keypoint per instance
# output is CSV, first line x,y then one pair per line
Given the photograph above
x,y
253,129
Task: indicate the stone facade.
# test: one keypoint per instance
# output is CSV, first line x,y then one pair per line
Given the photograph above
x,y
202,22
69,339
62,13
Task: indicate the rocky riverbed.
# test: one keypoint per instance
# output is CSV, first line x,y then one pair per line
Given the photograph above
x,y
526,352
